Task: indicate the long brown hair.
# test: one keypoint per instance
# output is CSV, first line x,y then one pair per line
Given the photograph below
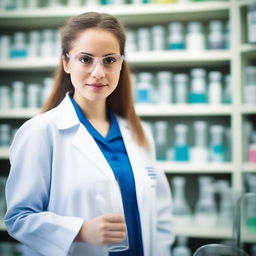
x,y
121,100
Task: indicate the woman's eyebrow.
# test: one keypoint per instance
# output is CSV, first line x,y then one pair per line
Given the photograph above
x,y
87,53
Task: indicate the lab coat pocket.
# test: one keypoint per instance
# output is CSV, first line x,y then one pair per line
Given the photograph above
x,y
152,176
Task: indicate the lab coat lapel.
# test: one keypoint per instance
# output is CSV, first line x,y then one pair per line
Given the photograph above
x,y
65,119
85,143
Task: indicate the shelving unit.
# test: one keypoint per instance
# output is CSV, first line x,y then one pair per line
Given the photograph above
x,y
236,58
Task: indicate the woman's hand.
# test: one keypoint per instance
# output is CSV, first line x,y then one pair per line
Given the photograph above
x,y
106,229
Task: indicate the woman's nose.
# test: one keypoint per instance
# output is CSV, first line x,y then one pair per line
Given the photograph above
x,y
98,70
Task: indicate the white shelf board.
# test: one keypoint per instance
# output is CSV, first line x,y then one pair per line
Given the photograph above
x,y
248,109
204,232
183,110
18,113
247,48
4,152
249,167
218,232
172,167
129,13
147,59
2,225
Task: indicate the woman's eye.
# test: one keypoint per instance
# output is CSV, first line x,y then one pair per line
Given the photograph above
x,y
86,59
109,60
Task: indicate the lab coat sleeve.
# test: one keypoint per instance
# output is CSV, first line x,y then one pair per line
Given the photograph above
x,y
27,195
164,227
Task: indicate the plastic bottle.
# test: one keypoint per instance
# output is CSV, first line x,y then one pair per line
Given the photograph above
x,y
5,42
47,88
164,87
217,148
251,22
206,210
181,209
131,45
198,93
215,88
252,148
33,45
47,44
176,37
181,88
227,206
216,39
144,39
250,203
18,95
19,49
161,135
33,96
5,97
181,249
5,135
227,35
181,147
144,90
250,86
195,39
227,90
199,153
158,38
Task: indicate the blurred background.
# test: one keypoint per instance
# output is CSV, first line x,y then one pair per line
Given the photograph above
x,y
193,68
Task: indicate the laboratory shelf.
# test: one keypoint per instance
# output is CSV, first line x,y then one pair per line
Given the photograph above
x,y
129,14
4,153
249,167
172,167
2,225
248,109
217,232
136,59
248,48
20,113
183,110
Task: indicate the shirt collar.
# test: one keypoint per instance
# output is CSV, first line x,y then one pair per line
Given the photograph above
x,y
114,131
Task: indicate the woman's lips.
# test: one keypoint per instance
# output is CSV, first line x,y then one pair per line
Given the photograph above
x,y
96,86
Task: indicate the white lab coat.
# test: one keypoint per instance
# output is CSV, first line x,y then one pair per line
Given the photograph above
x,y
54,164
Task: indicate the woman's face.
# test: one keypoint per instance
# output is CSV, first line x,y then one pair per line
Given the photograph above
x,y
94,79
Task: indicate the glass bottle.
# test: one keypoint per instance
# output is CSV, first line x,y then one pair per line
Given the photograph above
x,y
176,37
181,209
181,88
206,212
181,249
198,93
181,147
215,88
217,148
216,38
164,87
195,39
161,135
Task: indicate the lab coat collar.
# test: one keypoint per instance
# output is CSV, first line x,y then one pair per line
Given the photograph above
x,y
66,116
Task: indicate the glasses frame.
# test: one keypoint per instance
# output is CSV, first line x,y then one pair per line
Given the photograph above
x,y
96,60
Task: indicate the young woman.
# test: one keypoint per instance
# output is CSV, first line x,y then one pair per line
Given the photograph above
x,y
89,132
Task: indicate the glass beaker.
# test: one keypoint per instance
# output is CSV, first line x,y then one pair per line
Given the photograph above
x,y
109,200
219,250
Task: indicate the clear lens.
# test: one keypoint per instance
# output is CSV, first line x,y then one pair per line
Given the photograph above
x,y
110,64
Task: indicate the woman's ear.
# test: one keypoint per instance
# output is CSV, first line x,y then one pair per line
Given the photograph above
x,y
65,64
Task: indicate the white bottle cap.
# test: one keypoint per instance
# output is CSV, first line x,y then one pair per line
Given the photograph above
x,y
18,85
215,75
181,78
145,76
195,27
19,37
143,33
198,72
158,30
164,76
175,27
34,36
216,25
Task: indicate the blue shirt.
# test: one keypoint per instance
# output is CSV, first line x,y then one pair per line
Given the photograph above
x,y
113,148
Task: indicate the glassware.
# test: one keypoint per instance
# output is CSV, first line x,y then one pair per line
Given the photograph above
x,y
109,200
